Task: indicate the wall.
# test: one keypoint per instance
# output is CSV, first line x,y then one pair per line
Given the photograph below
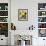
x,y
32,6
32,13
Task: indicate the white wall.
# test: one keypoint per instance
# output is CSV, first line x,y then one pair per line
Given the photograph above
x,y
32,13
32,6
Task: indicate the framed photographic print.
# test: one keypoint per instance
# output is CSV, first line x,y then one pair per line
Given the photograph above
x,y
23,14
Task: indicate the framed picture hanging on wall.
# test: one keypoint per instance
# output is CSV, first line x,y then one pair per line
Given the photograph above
x,y
23,14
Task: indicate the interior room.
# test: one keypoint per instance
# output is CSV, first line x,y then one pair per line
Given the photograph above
x,y
22,22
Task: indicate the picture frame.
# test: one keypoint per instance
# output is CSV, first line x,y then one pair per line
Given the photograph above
x,y
23,14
